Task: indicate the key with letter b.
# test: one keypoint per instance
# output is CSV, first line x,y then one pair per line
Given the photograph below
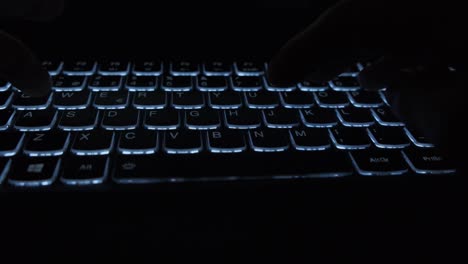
x,y
226,141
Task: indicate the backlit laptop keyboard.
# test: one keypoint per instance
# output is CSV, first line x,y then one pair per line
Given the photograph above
x,y
118,122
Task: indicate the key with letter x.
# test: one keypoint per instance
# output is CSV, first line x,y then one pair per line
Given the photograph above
x,y
96,142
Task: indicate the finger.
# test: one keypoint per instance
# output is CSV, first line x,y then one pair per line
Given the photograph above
x,y
37,10
380,74
21,68
430,106
325,45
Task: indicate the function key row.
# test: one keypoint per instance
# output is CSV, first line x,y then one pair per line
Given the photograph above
x,y
157,67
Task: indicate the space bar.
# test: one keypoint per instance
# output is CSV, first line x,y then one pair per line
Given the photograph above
x,y
224,167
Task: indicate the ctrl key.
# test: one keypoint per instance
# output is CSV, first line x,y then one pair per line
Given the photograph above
x,y
376,162
33,172
428,161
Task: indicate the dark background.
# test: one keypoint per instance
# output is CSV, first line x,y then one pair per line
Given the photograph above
x,y
168,28
377,220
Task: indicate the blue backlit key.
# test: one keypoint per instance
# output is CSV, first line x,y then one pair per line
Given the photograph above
x,y
164,119
150,100
138,142
269,140
85,170
373,162
225,100
386,117
68,83
345,83
365,98
184,68
246,83
6,118
211,83
249,68
202,119
388,137
34,172
42,120
5,99
114,67
52,66
147,68
72,100
111,100
99,83
93,143
278,88
226,141
297,99
281,118
217,68
124,119
78,120
355,117
26,102
183,142
141,83
188,100
46,143
351,138
313,86
80,67
176,83
331,99
262,99
11,143
310,139
318,117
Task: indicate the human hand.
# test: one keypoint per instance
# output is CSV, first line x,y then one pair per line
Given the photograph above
x,y
411,43
18,65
